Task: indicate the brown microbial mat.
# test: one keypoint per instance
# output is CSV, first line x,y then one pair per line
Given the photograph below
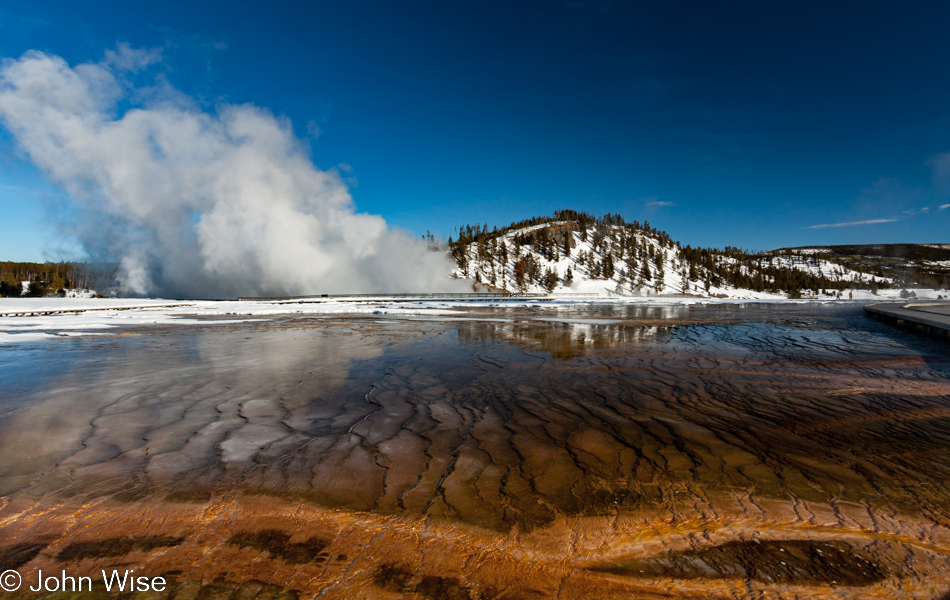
x,y
585,452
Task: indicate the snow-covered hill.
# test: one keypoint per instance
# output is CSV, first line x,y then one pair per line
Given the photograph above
x,y
575,252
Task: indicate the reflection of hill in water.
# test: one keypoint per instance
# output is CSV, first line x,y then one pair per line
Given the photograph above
x,y
561,340
476,459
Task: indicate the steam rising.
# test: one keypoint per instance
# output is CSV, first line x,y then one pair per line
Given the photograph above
x,y
194,203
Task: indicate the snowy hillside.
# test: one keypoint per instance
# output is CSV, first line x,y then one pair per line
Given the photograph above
x,y
576,252
592,261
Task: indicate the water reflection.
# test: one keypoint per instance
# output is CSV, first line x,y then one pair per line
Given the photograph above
x,y
686,429
173,406
559,339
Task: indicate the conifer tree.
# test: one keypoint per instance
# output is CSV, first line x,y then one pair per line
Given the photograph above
x,y
631,263
608,266
531,268
9,290
37,289
520,275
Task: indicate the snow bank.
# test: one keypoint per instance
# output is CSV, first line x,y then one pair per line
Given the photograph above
x,y
88,316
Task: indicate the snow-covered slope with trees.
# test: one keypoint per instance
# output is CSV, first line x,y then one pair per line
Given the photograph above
x,y
577,252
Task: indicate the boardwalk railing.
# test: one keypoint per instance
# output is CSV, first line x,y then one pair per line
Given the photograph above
x,y
39,312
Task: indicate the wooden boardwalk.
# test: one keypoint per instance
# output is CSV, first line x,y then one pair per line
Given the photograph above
x,y
926,317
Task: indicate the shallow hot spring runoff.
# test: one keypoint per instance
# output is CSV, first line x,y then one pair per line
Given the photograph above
x,y
758,451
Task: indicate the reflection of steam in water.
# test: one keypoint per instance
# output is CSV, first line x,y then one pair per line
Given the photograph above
x,y
167,407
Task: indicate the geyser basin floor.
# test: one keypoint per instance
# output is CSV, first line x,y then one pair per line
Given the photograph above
x,y
604,452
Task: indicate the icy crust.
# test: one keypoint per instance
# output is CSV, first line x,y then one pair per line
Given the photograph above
x,y
22,319
98,316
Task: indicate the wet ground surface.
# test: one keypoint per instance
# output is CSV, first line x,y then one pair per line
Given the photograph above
x,y
578,452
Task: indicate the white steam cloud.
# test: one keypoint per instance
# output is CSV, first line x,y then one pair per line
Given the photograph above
x,y
196,203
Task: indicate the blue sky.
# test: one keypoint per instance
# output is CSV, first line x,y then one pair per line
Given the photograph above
x,y
753,124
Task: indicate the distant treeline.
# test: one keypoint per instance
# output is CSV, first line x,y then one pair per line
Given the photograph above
x,y
50,278
909,265
933,252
